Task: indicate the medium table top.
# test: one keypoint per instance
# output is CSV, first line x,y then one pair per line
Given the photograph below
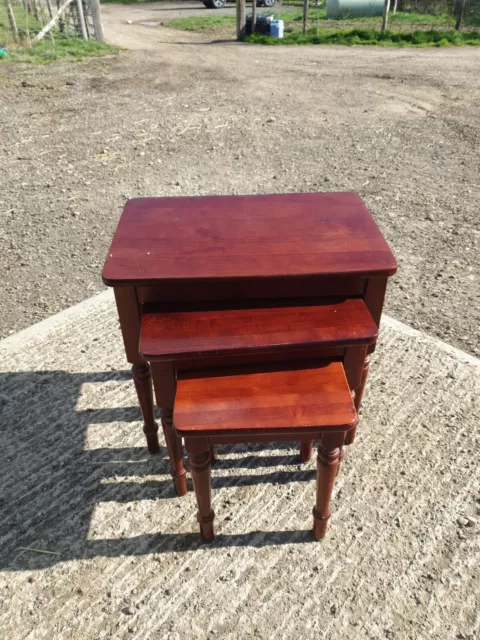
x,y
176,335
224,237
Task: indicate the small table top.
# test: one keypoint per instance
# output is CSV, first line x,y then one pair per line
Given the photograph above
x,y
215,403
225,237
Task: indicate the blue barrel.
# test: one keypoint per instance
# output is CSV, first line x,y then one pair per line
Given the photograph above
x,y
276,28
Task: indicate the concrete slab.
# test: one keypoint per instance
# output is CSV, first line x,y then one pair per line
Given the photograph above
x,y
124,557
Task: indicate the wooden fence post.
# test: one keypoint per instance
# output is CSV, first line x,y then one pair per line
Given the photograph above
x,y
386,9
81,20
460,9
11,20
240,19
305,15
97,20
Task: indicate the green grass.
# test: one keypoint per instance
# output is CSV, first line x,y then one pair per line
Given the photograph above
x,y
25,24
429,38
204,23
46,51
201,23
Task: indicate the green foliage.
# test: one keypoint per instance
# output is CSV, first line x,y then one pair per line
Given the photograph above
x,y
67,48
348,37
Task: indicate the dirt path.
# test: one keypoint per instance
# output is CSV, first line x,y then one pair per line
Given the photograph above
x,y
181,116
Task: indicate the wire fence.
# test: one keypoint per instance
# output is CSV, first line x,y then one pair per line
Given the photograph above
x,y
470,8
26,22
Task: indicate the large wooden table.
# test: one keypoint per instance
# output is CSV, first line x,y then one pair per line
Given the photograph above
x,y
237,253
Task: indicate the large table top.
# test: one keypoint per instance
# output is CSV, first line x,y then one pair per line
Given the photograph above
x,y
225,237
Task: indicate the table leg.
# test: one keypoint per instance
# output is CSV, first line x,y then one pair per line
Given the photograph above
x,y
358,398
327,466
175,452
164,385
143,385
129,317
340,459
306,450
200,465
212,454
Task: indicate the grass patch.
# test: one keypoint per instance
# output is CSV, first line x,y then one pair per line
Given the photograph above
x,y
409,21
429,38
46,51
204,23
26,24
200,23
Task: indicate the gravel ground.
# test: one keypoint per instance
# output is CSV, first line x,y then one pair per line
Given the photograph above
x,y
178,115
122,557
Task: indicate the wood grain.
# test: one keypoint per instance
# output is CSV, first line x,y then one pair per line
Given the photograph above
x,y
310,399
221,237
188,334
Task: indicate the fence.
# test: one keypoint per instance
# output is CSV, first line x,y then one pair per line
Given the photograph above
x,y
25,22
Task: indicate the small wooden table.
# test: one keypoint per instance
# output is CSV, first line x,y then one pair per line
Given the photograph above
x,y
288,250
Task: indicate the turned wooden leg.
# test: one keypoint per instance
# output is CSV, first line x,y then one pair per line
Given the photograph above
x,y
212,454
199,456
358,398
306,450
175,452
327,465
143,385
340,458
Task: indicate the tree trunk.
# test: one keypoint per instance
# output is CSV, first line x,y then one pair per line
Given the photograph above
x,y
395,4
11,20
254,15
386,9
305,15
460,10
240,19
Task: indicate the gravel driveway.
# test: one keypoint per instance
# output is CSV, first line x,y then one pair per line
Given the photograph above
x,y
179,115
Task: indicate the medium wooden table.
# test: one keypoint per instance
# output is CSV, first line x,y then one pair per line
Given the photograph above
x,y
238,251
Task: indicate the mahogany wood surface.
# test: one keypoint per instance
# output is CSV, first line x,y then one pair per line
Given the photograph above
x,y
235,249
264,401
327,468
225,237
187,334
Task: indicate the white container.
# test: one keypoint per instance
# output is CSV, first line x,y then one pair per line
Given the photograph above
x,y
276,28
